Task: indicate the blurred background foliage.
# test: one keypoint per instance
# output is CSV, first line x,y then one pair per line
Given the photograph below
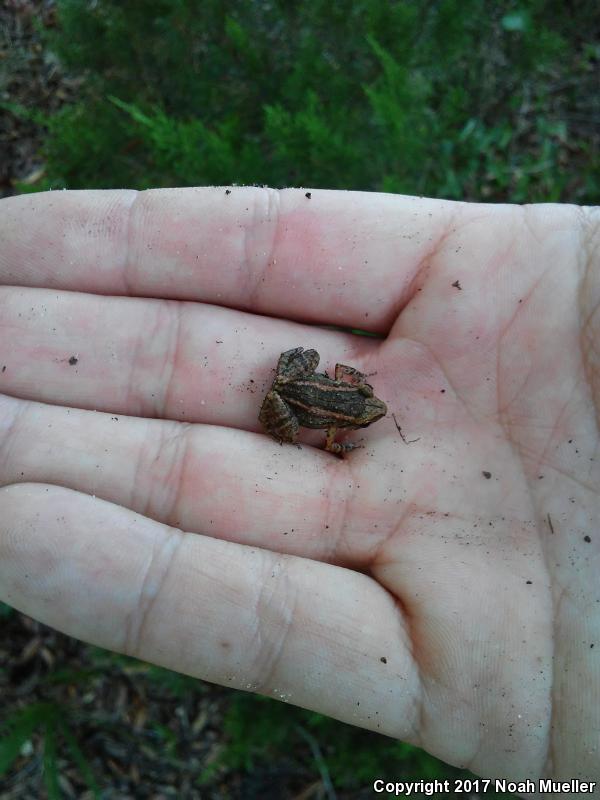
x,y
460,99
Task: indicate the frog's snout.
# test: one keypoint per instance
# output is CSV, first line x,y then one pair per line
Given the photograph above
x,y
376,409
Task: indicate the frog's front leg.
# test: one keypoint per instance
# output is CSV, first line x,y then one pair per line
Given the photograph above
x,y
278,418
338,447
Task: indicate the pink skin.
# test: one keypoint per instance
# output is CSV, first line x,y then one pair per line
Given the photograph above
x,y
441,588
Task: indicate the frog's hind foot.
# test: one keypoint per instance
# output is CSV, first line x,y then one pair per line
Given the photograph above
x,y
339,448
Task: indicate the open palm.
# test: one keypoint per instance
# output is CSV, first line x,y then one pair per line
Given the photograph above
x,y
440,584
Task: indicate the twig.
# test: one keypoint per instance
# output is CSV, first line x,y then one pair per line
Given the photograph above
x,y
402,436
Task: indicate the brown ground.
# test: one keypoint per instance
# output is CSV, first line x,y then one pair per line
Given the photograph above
x,y
29,77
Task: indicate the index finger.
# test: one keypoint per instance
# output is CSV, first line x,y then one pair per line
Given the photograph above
x,y
329,257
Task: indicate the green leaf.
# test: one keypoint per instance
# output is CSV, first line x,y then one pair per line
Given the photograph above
x,y
516,21
80,759
18,728
6,611
50,764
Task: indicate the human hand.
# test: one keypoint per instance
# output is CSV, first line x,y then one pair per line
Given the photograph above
x,y
439,586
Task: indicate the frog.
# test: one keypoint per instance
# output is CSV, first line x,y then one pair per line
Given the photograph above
x,y
301,396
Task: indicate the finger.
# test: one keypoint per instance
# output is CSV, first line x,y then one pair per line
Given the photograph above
x,y
346,258
152,358
238,616
226,483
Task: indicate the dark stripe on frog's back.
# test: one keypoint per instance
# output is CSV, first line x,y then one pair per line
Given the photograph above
x,y
318,404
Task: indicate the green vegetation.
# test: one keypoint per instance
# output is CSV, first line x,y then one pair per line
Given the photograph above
x,y
5,611
459,98
51,722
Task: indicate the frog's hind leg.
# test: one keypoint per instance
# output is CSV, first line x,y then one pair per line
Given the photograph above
x,y
356,377
297,363
277,418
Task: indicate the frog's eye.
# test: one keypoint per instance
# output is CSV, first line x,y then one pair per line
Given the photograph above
x,y
366,390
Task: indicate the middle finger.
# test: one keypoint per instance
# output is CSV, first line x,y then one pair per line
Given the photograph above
x,y
153,358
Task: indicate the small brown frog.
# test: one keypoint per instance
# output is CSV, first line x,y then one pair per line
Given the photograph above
x,y
301,396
